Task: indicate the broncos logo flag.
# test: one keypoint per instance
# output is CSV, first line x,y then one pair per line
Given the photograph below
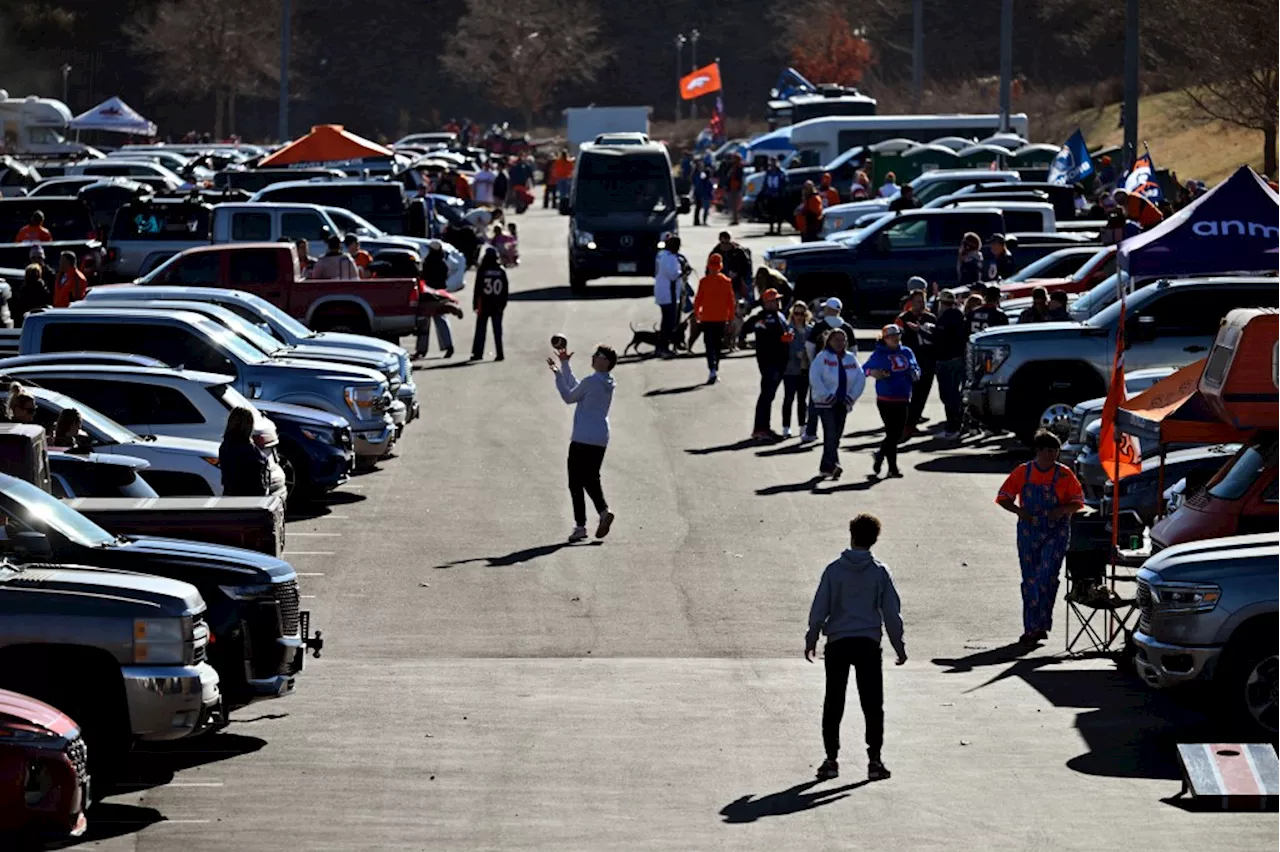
x,y
703,81
1123,457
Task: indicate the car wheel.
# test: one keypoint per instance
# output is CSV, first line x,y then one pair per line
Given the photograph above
x,y
1249,680
295,480
1056,418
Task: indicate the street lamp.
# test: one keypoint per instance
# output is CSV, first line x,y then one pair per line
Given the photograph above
x,y
66,72
693,55
680,40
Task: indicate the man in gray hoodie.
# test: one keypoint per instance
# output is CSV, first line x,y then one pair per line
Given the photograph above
x,y
855,597
591,397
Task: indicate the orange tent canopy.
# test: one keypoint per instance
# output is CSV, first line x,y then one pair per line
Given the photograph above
x,y
324,144
1173,411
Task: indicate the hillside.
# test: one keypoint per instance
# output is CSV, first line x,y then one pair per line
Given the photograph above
x,y
1194,148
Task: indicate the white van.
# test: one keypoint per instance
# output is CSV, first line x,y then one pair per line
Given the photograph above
x,y
829,135
34,125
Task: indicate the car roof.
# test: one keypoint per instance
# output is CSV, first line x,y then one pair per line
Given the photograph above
x,y
176,292
236,247
293,184
629,148
197,376
114,311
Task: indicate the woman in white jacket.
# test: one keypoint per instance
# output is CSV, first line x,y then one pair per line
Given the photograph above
x,y
836,381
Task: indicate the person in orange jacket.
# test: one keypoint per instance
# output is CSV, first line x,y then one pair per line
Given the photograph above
x,y
1138,209
809,216
561,174
714,307
462,187
71,285
830,195
34,231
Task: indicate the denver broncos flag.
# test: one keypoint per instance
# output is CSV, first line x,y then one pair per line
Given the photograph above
x,y
703,81
1123,457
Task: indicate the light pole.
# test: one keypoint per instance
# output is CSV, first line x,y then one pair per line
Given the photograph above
x,y
285,16
693,58
66,72
917,51
1006,62
680,40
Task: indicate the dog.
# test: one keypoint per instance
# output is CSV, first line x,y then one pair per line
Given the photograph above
x,y
653,337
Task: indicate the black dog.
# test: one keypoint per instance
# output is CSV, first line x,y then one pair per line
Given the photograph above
x,y
654,337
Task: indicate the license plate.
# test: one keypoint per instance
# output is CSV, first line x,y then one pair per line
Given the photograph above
x,y
626,267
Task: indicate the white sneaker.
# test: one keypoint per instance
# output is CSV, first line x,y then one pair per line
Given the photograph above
x,y
786,432
578,534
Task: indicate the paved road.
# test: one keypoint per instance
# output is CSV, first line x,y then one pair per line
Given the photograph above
x,y
487,687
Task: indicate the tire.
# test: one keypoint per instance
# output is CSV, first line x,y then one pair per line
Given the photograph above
x,y
577,282
1246,682
295,477
1041,409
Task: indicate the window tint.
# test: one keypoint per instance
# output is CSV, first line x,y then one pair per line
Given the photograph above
x,y
909,234
953,229
172,407
252,267
1200,312
66,218
109,171
1240,476
251,227
177,347
178,222
1023,220
308,226
125,402
202,269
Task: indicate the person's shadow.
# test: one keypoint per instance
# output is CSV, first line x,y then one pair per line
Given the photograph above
x,y
790,801
517,557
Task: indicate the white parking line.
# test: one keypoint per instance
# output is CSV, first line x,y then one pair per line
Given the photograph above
x,y
336,517
308,553
194,784
147,823
306,597
314,535
309,573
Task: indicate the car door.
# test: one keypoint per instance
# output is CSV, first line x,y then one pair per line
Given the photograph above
x,y
883,256
1186,321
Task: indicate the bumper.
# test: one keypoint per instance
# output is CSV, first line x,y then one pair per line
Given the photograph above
x,y
60,811
396,326
292,649
1162,665
399,415
171,702
408,394
602,263
989,403
374,442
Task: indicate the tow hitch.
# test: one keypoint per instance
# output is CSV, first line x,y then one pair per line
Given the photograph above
x,y
315,644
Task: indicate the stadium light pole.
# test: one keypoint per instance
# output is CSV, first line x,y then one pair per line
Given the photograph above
x,y
1130,152
917,51
694,35
1006,62
285,15
680,40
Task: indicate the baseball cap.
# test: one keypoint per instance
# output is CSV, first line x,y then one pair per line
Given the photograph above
x,y
915,282
946,296
997,238
715,262
833,303
891,330
769,294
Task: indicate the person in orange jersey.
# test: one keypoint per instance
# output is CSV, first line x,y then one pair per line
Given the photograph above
x,y
830,196
34,231
714,306
71,285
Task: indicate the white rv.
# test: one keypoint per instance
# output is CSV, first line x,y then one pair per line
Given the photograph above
x,y
34,125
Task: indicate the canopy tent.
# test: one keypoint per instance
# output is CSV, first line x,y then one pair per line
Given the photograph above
x,y
116,116
1173,411
774,141
326,143
1234,227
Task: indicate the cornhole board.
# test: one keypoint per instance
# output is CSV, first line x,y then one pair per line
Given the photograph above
x,y
1237,776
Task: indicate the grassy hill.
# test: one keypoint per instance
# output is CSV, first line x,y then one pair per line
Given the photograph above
x,y
1180,140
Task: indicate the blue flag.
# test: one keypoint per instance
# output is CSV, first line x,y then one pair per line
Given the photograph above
x,y
1142,179
1072,164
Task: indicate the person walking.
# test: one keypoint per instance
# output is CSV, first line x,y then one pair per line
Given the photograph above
x,y
668,293
703,190
856,602
795,378
71,285
501,185
809,217
770,201
831,318
489,301
969,261
830,195
737,263
773,351
988,314
917,323
951,334
244,467
482,184
1044,494
836,381
591,399
714,307
435,272
895,370
734,180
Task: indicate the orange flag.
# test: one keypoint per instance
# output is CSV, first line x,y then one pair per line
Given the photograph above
x,y
1122,457
703,81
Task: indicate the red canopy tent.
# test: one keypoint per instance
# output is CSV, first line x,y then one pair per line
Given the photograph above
x,y
326,143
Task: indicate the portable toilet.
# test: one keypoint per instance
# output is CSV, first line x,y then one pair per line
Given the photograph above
x,y
926,158
955,143
981,156
1239,380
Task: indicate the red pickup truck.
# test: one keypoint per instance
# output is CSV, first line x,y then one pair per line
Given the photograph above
x,y
386,307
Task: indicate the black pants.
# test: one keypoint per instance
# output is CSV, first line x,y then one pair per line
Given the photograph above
x,y
667,327
770,378
477,344
920,390
795,388
950,381
584,476
712,336
894,417
863,655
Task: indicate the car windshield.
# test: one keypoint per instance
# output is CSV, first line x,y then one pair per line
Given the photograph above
x,y
874,228
1034,270
1105,257
40,508
934,189
101,428
1242,473
1102,295
277,317
351,223
231,341
249,333
615,183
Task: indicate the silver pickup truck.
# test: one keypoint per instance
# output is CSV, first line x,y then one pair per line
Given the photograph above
x,y
1027,377
123,654
1208,613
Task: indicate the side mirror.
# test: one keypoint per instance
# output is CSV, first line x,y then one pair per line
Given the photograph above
x,y
32,546
566,208
685,205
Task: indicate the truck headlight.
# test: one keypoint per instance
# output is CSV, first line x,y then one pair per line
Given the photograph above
x,y
1181,598
161,640
361,399
777,263
321,435
585,239
990,358
248,593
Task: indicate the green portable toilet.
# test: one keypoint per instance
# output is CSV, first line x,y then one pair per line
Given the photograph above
x,y
981,156
955,143
926,158
1038,155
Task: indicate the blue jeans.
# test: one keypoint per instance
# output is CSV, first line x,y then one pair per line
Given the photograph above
x,y
441,322
832,431
950,380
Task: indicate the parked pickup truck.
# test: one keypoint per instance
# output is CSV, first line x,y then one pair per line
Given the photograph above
x,y
1026,377
1208,613
387,307
123,654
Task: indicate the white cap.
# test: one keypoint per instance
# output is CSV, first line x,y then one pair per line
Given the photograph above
x,y
833,303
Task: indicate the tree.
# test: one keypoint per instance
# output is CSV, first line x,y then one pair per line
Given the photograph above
x,y
827,50
1223,54
520,52
223,48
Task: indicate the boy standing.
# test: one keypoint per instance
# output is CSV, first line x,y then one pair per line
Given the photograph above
x,y
855,597
592,397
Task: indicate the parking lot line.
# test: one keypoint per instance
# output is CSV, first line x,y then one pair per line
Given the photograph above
x,y
306,597
194,784
309,573
315,535
307,553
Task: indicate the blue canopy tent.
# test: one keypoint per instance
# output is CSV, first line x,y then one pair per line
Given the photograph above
x,y
774,142
1234,227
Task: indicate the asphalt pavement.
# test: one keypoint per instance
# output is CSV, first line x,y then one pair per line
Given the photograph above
x,y
485,686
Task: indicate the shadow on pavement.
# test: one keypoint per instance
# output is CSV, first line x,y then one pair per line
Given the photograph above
x,y
790,449
793,800
320,508
515,558
155,764
1001,462
810,484
989,657
451,364
674,391
871,481
744,444
598,291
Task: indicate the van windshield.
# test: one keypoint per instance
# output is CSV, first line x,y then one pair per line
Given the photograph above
x,y
1243,471
618,183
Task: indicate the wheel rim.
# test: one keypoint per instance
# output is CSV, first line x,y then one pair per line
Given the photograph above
x,y
290,475
1057,418
1260,693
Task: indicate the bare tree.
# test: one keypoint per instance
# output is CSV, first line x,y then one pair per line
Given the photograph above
x,y
520,52
224,48
1223,53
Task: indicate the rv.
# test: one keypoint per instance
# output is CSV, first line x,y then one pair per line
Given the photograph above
x,y
34,125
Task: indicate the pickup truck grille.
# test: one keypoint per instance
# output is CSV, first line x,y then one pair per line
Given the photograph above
x,y
1077,426
1198,499
286,594
1144,605
78,753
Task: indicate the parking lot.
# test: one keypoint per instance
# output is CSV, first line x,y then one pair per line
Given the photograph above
x,y
485,686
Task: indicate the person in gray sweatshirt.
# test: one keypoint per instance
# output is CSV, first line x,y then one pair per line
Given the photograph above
x,y
591,398
855,597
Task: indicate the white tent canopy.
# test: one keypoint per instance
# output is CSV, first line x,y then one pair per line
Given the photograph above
x,y
115,115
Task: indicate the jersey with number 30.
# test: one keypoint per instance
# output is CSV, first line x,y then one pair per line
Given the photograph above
x,y
491,291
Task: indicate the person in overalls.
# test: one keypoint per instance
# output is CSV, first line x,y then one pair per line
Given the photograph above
x,y
1044,495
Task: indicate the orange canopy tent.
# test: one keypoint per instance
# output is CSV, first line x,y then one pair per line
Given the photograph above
x,y
325,143
1174,411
